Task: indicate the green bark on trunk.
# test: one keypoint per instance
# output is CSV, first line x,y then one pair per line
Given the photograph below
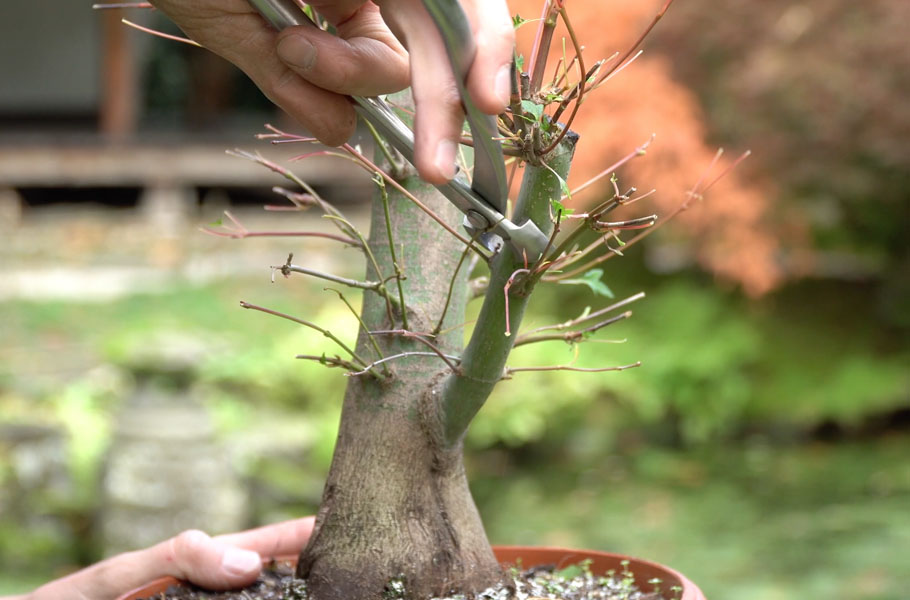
x,y
396,504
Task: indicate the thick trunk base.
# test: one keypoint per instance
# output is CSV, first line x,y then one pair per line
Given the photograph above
x,y
396,506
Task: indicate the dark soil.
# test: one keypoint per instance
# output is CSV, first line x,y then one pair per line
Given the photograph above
x,y
576,582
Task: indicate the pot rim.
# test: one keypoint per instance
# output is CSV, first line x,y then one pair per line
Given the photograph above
x,y
530,556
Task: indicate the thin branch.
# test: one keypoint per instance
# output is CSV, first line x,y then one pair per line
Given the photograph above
x,y
616,200
509,371
695,193
283,137
396,357
363,325
599,82
240,232
640,39
161,34
275,167
102,6
573,336
542,40
639,151
306,155
729,168
375,169
445,308
422,339
287,268
587,317
383,146
581,84
564,103
375,263
301,200
569,258
505,291
542,264
305,323
380,183
637,223
327,208
331,361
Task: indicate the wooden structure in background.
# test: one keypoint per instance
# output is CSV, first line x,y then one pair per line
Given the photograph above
x,y
118,111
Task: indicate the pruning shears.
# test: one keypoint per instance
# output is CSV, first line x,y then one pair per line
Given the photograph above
x,y
483,202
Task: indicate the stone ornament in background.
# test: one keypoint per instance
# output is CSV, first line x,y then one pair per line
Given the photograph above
x,y
166,471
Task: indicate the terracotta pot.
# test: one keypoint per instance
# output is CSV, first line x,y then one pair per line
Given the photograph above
x,y
530,556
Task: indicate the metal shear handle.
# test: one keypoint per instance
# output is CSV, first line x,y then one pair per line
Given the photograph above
x,y
526,238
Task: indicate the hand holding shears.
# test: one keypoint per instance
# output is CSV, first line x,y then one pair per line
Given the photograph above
x,y
452,65
307,72
484,202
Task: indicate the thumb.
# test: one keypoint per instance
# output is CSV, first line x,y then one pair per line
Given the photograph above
x,y
192,556
196,557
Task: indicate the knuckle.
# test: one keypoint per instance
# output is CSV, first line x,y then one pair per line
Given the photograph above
x,y
189,543
448,96
279,83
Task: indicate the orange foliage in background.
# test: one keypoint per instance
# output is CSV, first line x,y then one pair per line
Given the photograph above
x,y
728,232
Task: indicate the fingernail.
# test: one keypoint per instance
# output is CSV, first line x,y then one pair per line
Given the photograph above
x,y
297,51
237,561
445,158
502,85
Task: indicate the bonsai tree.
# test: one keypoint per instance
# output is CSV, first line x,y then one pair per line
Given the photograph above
x,y
396,505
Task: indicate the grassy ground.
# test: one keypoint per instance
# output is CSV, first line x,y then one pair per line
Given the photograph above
x,y
752,522
748,520
756,522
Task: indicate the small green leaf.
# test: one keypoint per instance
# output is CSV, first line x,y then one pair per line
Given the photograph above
x,y
520,62
215,223
322,360
518,21
592,280
559,207
563,185
576,570
532,108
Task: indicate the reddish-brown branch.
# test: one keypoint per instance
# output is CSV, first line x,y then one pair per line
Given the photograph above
x,y
240,231
581,84
637,43
542,40
423,340
574,335
695,193
391,181
510,370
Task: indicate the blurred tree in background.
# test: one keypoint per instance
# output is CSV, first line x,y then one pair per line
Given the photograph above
x,y
819,91
814,228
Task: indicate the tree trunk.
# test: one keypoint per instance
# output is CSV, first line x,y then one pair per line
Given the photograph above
x,y
396,505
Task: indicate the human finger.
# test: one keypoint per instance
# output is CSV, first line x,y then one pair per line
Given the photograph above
x,y
364,59
438,114
235,31
192,556
278,539
196,557
489,78
327,115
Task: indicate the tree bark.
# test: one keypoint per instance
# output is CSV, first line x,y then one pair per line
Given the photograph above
x,y
396,504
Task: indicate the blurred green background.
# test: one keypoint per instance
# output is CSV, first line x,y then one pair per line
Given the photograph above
x,y
761,448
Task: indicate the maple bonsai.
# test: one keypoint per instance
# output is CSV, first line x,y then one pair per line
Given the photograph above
x,y
396,504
